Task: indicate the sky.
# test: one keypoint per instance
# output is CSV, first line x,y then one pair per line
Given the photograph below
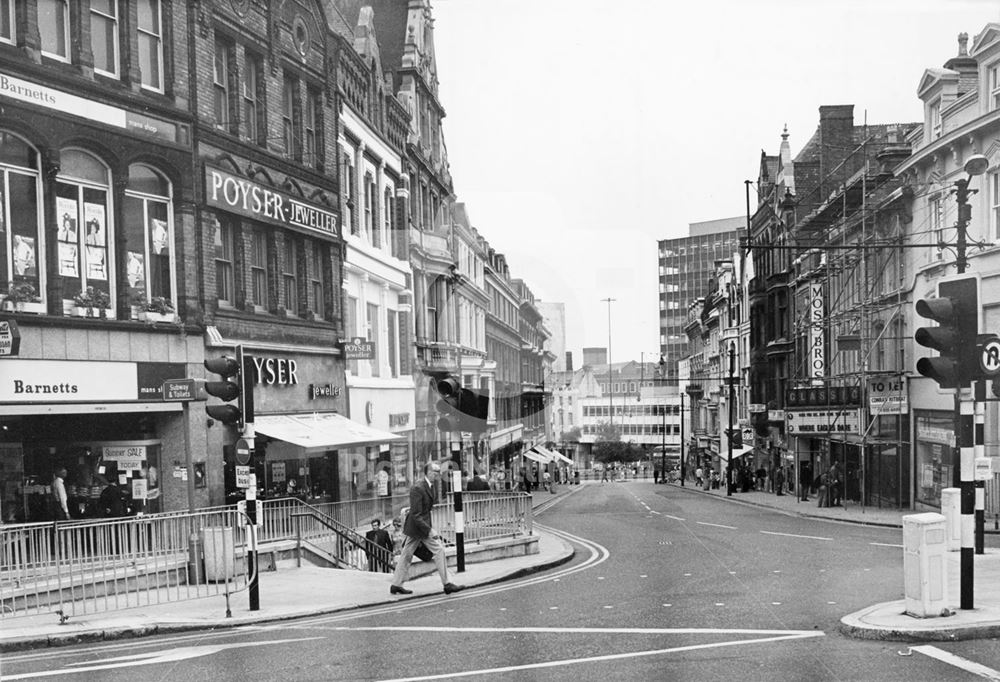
x,y
580,132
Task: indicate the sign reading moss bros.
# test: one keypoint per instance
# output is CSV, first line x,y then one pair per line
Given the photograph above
x,y
245,197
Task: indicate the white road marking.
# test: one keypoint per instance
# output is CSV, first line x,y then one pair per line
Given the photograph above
x,y
652,511
675,518
150,658
786,635
716,525
957,661
883,544
791,535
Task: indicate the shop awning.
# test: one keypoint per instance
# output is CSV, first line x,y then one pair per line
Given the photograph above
x,y
319,432
553,455
737,453
536,456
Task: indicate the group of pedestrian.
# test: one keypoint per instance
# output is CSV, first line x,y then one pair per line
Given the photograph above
x,y
829,486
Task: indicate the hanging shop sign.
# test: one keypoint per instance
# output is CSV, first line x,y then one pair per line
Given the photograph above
x,y
247,198
817,349
805,422
358,349
888,396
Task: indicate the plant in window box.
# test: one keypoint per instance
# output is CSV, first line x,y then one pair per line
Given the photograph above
x,y
159,309
19,293
137,302
91,299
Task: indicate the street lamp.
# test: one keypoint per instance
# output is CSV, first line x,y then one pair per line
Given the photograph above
x,y
975,165
611,395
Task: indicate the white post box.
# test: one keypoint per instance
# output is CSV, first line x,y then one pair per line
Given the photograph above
x,y
924,565
951,507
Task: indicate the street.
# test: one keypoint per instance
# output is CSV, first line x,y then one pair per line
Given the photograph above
x,y
666,584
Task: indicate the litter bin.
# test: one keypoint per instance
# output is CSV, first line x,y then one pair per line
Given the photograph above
x,y
924,576
217,548
196,559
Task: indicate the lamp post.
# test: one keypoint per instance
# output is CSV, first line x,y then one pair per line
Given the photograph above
x,y
611,395
732,400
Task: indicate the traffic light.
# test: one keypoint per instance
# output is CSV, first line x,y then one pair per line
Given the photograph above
x,y
956,310
461,409
735,436
234,373
450,390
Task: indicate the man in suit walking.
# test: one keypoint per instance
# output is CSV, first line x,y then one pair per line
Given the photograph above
x,y
418,531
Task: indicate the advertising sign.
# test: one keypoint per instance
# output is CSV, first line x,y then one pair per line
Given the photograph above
x,y
822,421
10,338
359,349
888,396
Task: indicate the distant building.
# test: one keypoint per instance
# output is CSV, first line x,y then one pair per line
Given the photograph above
x,y
554,316
687,266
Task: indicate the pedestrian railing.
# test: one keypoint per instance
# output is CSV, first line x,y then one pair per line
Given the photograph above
x,y
488,516
73,568
344,546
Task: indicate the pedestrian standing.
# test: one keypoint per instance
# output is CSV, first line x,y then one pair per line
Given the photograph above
x,y
834,485
823,499
377,537
698,476
805,480
59,501
418,531
779,481
576,477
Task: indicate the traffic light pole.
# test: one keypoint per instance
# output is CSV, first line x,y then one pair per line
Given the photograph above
x,y
456,488
729,436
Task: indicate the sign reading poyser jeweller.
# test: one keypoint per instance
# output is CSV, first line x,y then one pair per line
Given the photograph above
x,y
238,195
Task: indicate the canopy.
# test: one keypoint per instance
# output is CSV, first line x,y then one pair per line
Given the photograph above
x,y
320,432
536,456
737,453
553,455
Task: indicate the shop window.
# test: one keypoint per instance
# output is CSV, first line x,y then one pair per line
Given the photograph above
x,y
258,267
150,34
104,36
84,233
224,282
252,110
7,21
20,221
317,302
53,28
148,228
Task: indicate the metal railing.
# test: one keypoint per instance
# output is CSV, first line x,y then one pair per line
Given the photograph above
x,y
348,548
488,516
75,568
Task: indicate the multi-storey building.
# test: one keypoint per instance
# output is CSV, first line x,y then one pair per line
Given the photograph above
x,y
503,345
961,118
536,364
686,266
554,316
98,212
377,275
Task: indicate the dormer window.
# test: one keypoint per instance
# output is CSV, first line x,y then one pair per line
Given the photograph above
x,y
994,80
935,116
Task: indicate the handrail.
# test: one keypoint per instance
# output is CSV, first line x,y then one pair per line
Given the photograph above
x,y
379,558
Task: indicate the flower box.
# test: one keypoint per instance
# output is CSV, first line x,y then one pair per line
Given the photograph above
x,y
150,316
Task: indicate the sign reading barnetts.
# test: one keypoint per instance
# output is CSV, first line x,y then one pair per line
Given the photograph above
x,y
245,197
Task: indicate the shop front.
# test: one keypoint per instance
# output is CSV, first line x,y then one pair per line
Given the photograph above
x,y
384,466
106,423
933,466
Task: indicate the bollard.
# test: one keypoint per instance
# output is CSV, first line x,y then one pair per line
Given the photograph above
x,y
195,568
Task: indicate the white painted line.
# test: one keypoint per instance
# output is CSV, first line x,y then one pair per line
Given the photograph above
x,y
655,512
784,634
675,518
791,535
610,657
883,544
716,525
957,661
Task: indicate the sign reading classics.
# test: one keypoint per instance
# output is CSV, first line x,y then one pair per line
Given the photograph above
x,y
247,198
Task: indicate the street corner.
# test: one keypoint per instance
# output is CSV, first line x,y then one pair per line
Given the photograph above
x,y
890,622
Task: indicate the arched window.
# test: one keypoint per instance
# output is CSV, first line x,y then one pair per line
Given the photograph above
x,y
148,231
84,232
21,243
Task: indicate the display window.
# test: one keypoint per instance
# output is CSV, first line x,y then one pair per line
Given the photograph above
x,y
148,232
22,265
935,440
84,234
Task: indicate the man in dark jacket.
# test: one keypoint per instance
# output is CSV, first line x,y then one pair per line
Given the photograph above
x,y
478,484
418,531
378,537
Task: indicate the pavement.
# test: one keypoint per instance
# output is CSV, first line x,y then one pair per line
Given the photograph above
x,y
295,592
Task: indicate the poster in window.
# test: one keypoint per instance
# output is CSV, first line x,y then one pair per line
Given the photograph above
x,y
67,260
66,217
159,236
24,256
93,215
96,265
135,270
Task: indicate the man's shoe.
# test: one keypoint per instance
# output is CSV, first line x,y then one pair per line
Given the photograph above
x,y
396,589
450,588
